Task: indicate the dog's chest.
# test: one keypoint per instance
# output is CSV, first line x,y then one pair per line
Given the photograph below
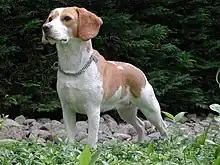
x,y
80,91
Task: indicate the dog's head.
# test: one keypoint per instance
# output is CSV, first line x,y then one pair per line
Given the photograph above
x,y
64,24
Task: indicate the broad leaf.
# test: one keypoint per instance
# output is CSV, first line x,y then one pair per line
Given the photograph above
x,y
169,115
202,138
217,152
150,148
215,107
217,161
210,142
5,161
95,157
179,116
85,156
194,159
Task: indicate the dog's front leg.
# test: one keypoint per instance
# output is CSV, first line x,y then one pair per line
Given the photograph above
x,y
69,117
93,119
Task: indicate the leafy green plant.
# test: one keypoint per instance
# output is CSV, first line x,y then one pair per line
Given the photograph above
x,y
216,77
2,119
163,151
150,148
5,141
86,158
175,118
216,108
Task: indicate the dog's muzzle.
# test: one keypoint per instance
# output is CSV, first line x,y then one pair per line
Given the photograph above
x,y
46,28
48,34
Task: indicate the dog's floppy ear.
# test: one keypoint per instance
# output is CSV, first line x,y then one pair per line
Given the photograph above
x,y
88,24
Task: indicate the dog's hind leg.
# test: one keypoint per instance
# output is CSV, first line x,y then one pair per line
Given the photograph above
x,y
129,114
150,107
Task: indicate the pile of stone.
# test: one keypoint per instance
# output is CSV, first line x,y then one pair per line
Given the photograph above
x,y
43,129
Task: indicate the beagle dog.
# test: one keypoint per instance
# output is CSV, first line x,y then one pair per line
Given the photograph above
x,y
89,84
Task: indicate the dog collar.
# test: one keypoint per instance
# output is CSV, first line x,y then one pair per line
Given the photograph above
x,y
92,58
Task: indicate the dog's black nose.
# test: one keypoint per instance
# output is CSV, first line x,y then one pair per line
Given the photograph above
x,y
46,27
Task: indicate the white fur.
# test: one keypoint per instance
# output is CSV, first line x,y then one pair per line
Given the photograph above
x,y
112,62
58,31
120,67
84,93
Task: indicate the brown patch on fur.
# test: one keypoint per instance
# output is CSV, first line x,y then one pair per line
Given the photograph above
x,y
88,24
116,74
53,15
72,23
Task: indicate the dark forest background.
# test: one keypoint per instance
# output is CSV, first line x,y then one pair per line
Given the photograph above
x,y
175,42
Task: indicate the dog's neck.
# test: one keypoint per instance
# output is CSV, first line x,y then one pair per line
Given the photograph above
x,y
73,55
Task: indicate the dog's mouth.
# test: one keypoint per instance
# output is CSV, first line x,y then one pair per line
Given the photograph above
x,y
53,39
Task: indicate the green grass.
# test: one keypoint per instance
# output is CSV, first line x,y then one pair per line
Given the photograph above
x,y
172,151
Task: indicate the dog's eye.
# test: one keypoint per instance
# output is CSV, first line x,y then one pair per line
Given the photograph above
x,y
67,18
50,19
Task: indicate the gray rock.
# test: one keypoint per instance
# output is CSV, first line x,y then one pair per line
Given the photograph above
x,y
214,132
205,123
20,119
15,133
43,120
131,130
27,133
198,128
55,122
187,130
189,124
169,123
112,124
126,129
146,139
103,137
40,140
122,128
29,121
81,135
35,125
25,127
192,117
201,116
40,133
53,125
147,124
210,115
2,136
167,119
59,133
104,129
154,135
82,126
122,136
151,130
10,123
